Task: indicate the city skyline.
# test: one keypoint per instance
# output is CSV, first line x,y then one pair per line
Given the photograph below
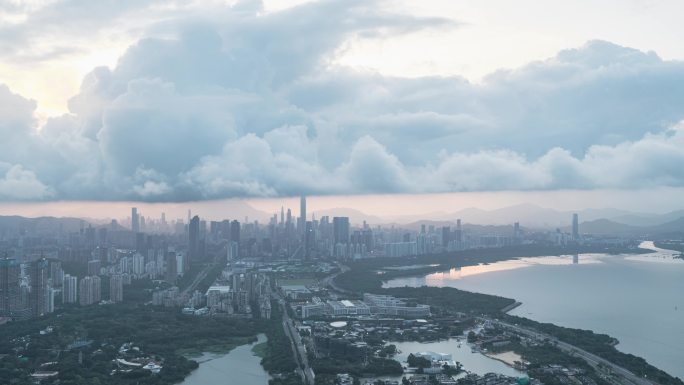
x,y
383,207
341,192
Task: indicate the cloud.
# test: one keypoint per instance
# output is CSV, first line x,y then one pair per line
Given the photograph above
x,y
372,169
242,102
21,184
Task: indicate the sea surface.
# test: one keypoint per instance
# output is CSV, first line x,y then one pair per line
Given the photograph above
x,y
638,299
239,366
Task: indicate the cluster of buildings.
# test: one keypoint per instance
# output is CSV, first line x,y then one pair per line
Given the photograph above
x,y
496,379
32,289
26,290
372,304
33,282
238,291
131,357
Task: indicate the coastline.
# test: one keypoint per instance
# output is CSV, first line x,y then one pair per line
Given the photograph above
x,y
459,300
510,307
498,357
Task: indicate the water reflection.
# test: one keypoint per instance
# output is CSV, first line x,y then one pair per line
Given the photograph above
x,y
473,362
443,278
240,366
635,298
658,254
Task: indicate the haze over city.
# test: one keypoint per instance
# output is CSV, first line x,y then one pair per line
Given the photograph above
x,y
341,192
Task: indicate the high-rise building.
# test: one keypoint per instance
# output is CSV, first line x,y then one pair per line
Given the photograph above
x,y
38,278
10,295
56,274
141,242
94,267
232,249
138,265
135,220
309,239
171,273
194,234
69,289
50,300
516,230
302,214
235,231
341,230
575,227
446,236
116,288
459,233
90,289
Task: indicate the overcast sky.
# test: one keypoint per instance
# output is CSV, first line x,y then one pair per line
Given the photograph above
x,y
145,100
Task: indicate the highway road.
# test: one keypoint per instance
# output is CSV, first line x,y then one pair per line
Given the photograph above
x,y
198,278
299,350
626,377
329,281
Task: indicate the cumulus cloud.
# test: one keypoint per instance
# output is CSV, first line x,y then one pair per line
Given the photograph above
x,y
20,184
238,102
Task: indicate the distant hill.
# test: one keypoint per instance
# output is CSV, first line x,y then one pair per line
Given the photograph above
x,y
356,217
41,225
675,228
606,226
649,219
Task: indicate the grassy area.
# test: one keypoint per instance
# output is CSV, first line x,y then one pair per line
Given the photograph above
x,y
164,334
210,346
603,346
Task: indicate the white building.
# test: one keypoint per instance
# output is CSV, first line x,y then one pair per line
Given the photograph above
x,y
69,289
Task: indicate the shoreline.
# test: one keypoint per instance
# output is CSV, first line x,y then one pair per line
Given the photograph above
x,y
510,307
617,356
510,364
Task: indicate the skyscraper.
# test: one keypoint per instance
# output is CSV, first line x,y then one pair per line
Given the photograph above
x,y
116,288
69,289
459,232
10,295
309,239
235,231
50,300
38,274
575,227
194,234
341,230
446,236
302,214
171,273
516,230
135,220
90,289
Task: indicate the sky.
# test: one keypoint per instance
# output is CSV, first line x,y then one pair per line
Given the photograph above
x,y
177,101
